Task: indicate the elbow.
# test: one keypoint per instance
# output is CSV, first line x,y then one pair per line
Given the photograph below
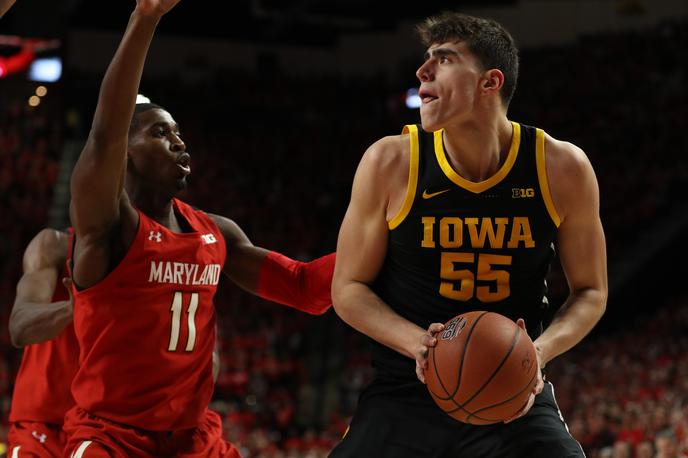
x,y
601,295
602,303
596,298
338,295
17,335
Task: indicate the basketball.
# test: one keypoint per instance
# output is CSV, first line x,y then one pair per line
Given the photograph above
x,y
482,369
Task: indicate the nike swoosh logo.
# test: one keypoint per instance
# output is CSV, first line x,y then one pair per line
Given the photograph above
x,y
430,195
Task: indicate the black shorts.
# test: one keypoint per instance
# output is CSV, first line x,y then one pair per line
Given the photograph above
x,y
402,421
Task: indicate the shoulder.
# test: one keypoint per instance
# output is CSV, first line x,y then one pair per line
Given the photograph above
x,y
385,165
570,174
388,152
230,230
565,156
48,248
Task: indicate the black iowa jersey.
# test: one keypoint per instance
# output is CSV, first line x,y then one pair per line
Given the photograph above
x,y
457,245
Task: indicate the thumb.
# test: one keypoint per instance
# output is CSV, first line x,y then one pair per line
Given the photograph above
x,y
67,282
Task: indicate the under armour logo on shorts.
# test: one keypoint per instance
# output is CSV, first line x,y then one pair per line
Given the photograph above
x,y
154,235
40,436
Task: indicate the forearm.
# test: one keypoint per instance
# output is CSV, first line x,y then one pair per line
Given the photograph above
x,y
121,81
362,309
33,323
304,286
576,318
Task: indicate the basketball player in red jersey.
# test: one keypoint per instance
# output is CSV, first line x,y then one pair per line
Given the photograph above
x,y
41,322
145,270
467,217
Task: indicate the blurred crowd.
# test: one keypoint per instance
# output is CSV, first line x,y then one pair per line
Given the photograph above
x,y
278,156
626,394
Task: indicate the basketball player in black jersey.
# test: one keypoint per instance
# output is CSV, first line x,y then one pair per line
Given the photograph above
x,y
463,214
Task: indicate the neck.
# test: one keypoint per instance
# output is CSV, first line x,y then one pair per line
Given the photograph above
x,y
152,203
476,149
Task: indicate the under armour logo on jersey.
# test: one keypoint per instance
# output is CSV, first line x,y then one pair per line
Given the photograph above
x,y
41,437
209,239
155,235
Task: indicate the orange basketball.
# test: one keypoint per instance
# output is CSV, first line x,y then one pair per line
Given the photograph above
x,y
482,369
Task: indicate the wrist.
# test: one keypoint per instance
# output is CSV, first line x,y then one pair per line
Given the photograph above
x,y
413,340
146,16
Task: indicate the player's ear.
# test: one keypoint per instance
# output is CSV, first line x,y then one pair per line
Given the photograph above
x,y
492,81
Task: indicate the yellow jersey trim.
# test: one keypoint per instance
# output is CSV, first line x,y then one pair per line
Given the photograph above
x,y
412,130
542,176
481,185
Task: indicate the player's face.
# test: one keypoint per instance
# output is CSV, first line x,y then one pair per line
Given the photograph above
x,y
157,153
450,78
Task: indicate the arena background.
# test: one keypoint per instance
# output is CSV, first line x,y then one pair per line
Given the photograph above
x,y
277,101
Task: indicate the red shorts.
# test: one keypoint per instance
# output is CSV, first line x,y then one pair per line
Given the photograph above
x,y
39,440
93,437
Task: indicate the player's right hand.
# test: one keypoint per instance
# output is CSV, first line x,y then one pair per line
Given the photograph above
x,y
155,7
427,340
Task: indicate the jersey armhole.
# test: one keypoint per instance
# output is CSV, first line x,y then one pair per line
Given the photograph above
x,y
393,223
113,269
542,176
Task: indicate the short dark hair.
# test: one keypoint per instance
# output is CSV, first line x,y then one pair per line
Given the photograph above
x,y
486,39
138,109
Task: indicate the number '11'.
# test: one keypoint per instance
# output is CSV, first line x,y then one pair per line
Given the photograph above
x,y
176,310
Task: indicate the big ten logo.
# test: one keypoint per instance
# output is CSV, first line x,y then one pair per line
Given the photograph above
x,y
454,328
518,193
208,239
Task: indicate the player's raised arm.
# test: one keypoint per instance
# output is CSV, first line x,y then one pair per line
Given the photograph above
x,y
34,318
98,178
581,246
362,246
273,276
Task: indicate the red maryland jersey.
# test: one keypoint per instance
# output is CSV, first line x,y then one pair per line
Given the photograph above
x,y
147,330
42,388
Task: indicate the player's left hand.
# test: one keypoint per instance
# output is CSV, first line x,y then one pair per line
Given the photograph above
x,y
427,341
539,384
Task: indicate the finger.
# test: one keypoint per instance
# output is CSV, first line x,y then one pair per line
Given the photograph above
x,y
521,323
423,353
423,362
524,410
420,373
435,328
67,283
428,340
539,386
